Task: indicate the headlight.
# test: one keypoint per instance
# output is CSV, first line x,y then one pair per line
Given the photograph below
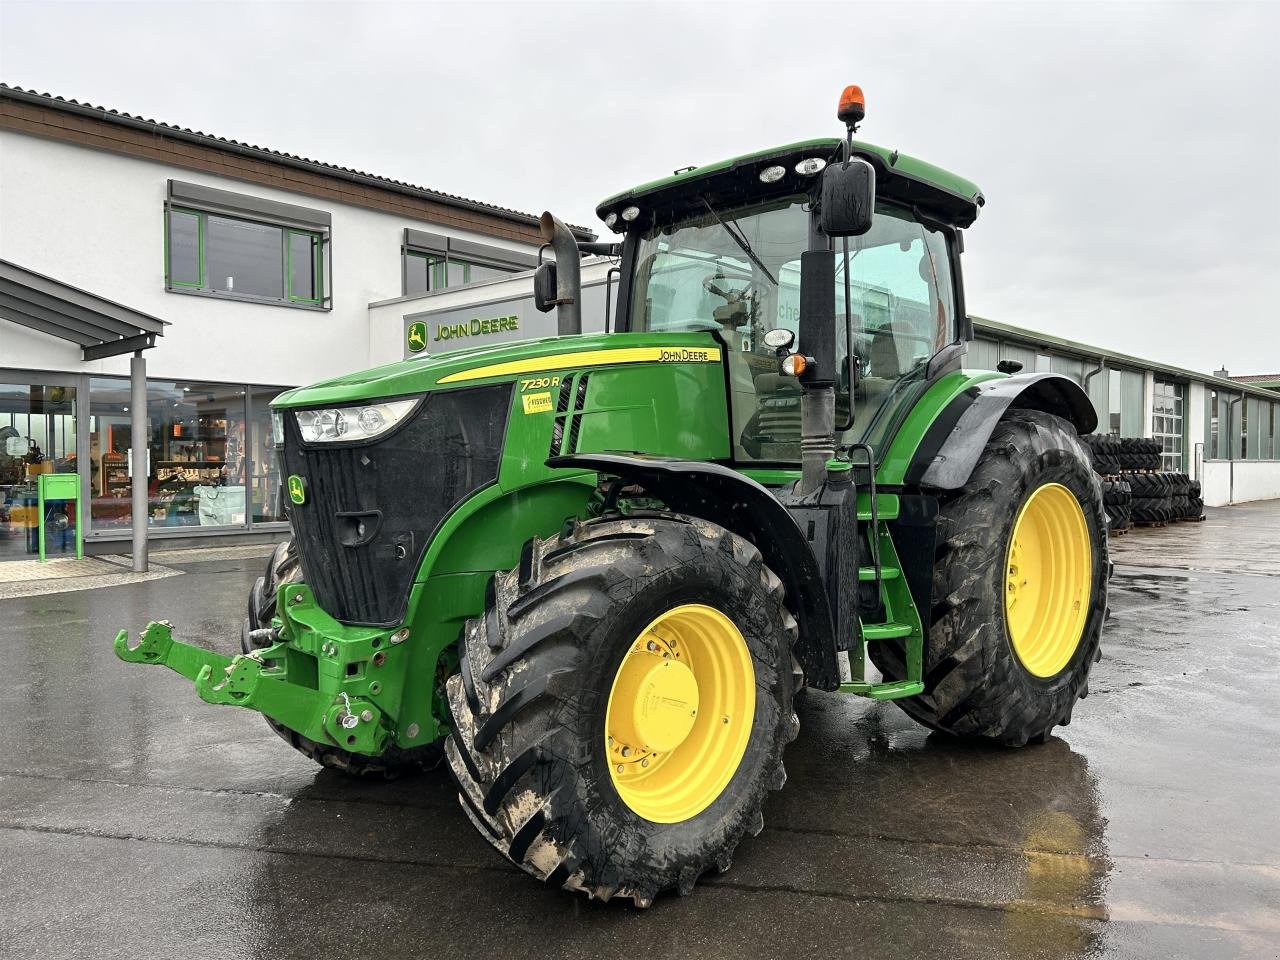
x,y
345,424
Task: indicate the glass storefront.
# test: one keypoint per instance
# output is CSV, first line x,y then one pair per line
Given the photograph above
x,y
37,435
211,464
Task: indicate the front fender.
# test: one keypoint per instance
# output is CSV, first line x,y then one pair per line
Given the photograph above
x,y
741,505
955,440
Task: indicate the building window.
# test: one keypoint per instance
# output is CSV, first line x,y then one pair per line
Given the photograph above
x,y
430,261
210,462
423,272
37,436
245,259
1166,423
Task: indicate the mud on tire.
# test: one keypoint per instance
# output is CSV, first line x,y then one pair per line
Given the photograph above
x,y
283,567
974,683
527,748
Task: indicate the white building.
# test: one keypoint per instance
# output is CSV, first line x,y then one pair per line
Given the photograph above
x,y
261,265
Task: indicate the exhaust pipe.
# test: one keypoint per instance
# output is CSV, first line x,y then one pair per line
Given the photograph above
x,y
568,273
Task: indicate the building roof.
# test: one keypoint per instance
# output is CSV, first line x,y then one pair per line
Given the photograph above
x,y
1112,358
119,117
1267,379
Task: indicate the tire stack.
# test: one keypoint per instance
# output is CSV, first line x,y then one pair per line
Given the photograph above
x,y
1137,454
1194,508
1116,498
1152,500
1106,453
1109,457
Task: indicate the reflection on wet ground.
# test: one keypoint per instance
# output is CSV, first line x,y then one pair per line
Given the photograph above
x,y
137,821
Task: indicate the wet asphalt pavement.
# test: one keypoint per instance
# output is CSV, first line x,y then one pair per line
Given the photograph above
x,y
136,821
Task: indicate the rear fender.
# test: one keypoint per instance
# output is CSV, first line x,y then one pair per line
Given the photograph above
x,y
951,446
741,505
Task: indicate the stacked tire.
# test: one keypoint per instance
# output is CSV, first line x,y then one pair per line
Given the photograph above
x,y
1152,498
1111,456
1117,497
1194,508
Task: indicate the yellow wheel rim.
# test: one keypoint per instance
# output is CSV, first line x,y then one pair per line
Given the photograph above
x,y
1048,580
679,713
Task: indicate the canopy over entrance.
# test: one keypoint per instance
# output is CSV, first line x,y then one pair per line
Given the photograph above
x,y
100,328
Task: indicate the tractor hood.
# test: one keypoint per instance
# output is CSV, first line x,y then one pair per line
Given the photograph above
x,y
495,364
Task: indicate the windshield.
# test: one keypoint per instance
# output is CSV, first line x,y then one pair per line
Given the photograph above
x,y
738,273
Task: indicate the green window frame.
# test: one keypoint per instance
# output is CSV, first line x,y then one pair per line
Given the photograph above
x,y
168,246
317,298
317,265
437,276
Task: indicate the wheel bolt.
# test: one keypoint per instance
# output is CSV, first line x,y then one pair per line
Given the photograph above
x,y
626,751
644,762
724,719
619,768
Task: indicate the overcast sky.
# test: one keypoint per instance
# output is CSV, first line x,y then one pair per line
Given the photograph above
x,y
1130,153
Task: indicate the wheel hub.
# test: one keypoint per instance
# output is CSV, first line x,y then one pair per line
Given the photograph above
x,y
663,696
1048,580
680,713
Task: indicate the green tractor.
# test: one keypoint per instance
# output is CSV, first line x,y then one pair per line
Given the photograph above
x,y
594,571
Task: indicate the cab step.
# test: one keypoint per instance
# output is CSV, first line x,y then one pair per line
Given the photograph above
x,y
895,690
868,574
885,631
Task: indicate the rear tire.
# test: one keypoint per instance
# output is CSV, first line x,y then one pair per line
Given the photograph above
x,y
285,567
976,684
529,750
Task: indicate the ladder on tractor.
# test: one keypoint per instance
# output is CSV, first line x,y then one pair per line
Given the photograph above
x,y
901,619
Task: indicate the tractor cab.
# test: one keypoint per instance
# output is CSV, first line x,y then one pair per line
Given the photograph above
x,y
720,249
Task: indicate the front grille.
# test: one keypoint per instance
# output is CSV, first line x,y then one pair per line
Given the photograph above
x,y
371,509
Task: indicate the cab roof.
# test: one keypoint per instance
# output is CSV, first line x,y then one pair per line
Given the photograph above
x,y
899,176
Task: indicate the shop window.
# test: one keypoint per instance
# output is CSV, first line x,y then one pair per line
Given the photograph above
x,y
197,472
263,497
37,436
243,259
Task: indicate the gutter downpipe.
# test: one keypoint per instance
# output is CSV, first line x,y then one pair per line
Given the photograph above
x,y
1102,365
568,273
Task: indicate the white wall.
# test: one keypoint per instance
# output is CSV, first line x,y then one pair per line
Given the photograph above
x,y
1238,481
1193,425
95,220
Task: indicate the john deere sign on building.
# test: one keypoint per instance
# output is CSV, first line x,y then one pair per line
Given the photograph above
x,y
490,321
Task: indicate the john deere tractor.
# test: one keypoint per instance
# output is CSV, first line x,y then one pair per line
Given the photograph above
x,y
597,568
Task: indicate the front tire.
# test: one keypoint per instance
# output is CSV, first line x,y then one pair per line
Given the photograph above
x,y
1027,528
546,700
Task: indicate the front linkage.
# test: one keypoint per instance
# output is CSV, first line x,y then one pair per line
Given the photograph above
x,y
319,678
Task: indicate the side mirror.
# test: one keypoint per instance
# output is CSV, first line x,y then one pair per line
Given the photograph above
x,y
848,198
544,287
